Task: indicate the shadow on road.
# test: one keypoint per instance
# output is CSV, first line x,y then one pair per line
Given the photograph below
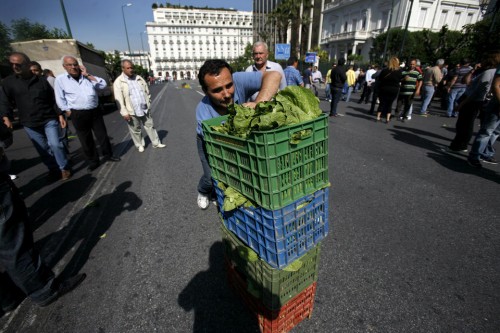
x,y
455,162
53,201
86,228
216,308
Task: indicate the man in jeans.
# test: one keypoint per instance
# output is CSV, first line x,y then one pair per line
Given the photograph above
x,y
432,77
36,104
457,86
482,148
339,77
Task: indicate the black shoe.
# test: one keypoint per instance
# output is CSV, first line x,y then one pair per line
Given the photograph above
x,y
489,160
17,299
475,163
93,166
111,159
62,288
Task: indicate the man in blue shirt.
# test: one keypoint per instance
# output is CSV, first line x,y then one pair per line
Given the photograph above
x,y
292,75
222,88
76,95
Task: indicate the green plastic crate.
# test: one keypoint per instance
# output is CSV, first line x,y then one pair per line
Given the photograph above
x,y
266,167
274,287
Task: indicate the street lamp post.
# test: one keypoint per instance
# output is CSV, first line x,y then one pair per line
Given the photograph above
x,y
125,24
66,19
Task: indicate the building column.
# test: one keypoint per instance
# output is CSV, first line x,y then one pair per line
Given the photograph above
x,y
354,47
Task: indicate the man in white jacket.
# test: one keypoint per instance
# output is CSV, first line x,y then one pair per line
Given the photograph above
x,y
134,101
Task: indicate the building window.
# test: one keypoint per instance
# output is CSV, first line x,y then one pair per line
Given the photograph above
x,y
456,19
345,26
422,17
469,18
443,18
354,27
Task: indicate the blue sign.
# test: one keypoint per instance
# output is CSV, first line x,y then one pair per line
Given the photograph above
x,y
311,57
282,51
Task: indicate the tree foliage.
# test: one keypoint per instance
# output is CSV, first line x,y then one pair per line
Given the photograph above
x,y
287,15
242,62
24,30
5,40
472,42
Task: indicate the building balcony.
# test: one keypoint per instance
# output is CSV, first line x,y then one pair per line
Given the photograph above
x,y
337,4
347,36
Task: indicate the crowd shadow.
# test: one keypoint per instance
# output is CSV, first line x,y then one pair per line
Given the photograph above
x,y
216,308
452,161
54,200
86,228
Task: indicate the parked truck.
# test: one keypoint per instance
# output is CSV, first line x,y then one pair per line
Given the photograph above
x,y
49,53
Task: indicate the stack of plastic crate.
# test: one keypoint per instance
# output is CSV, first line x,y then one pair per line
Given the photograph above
x,y
272,250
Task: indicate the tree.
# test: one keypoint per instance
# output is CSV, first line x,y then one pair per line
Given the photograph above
x,y
288,14
23,30
5,40
113,64
242,62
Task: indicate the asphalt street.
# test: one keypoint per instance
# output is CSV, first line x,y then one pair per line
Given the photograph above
x,y
414,237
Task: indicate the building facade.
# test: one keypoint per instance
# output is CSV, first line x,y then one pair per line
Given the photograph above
x,y
181,39
349,26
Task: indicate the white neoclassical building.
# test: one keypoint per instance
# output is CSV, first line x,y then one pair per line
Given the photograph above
x,y
181,39
349,26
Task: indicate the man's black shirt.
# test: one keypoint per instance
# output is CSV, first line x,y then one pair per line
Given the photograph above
x,y
33,97
338,77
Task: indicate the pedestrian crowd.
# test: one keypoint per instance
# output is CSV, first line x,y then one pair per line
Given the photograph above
x,y
467,91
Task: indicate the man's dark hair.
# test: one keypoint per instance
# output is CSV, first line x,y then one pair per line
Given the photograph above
x,y
291,60
341,62
212,67
464,61
34,63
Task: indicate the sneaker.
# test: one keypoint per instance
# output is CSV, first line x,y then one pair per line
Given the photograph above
x,y
474,163
203,201
408,118
489,160
140,149
12,177
160,145
62,287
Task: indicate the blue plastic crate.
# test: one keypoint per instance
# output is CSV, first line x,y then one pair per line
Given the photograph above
x,y
280,236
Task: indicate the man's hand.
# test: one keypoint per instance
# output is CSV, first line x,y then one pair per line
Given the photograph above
x,y
250,105
62,121
7,122
126,117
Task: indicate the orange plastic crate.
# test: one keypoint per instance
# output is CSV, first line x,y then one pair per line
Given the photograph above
x,y
273,321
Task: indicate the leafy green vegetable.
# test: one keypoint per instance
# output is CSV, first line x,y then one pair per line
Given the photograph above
x,y
294,266
290,106
234,199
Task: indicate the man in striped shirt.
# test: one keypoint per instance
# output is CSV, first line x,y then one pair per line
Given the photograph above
x,y
410,87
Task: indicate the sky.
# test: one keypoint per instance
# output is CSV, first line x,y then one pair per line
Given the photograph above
x,y
100,22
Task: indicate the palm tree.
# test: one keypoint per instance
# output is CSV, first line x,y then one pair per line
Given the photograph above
x,y
293,14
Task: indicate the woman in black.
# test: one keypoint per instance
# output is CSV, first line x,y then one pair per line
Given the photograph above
x,y
388,88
